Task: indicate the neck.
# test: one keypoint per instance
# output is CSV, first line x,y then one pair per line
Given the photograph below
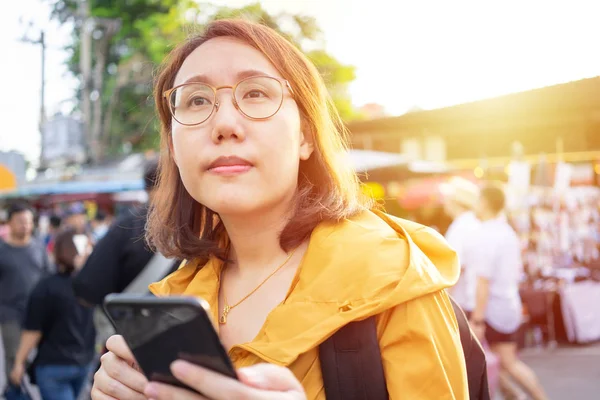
x,y
19,241
255,240
489,216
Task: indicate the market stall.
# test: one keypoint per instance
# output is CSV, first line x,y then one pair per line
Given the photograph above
x,y
407,188
557,216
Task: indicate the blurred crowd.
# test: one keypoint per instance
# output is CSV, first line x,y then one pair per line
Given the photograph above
x,y
56,268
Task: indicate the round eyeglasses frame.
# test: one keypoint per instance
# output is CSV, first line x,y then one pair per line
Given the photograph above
x,y
168,93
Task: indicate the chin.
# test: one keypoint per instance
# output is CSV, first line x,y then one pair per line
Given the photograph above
x,y
250,204
240,200
234,207
230,201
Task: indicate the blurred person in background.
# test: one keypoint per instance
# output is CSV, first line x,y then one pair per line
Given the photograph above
x,y
460,199
119,258
53,228
23,261
59,327
76,218
99,224
121,254
3,225
497,314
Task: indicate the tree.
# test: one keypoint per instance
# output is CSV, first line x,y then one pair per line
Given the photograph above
x,y
117,45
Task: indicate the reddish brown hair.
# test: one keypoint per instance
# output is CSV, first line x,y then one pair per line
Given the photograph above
x,y
328,189
65,251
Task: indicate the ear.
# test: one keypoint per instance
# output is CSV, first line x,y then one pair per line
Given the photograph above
x,y
307,144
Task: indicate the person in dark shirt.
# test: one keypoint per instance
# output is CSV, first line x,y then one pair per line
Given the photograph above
x,y
23,261
99,225
60,327
53,229
121,254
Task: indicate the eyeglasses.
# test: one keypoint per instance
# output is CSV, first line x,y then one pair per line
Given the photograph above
x,y
257,97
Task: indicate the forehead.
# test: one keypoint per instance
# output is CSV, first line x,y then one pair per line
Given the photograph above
x,y
223,61
22,215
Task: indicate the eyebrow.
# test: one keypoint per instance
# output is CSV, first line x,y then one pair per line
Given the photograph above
x,y
247,73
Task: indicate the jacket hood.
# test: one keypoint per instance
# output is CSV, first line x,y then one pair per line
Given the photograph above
x,y
352,270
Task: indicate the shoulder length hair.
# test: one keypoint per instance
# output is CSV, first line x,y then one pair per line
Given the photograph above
x,y
328,189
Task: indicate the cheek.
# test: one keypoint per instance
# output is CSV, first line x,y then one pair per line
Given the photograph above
x,y
280,150
186,148
186,143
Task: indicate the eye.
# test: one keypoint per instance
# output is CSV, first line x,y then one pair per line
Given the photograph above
x,y
255,94
198,101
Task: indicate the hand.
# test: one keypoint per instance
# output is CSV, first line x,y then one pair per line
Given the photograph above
x,y
118,377
16,375
262,381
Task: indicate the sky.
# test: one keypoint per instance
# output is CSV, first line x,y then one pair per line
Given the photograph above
x,y
407,53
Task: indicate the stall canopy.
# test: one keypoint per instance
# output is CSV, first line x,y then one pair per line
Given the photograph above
x,y
112,186
368,160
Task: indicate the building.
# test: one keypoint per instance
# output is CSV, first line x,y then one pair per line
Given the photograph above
x,y
557,120
15,163
63,142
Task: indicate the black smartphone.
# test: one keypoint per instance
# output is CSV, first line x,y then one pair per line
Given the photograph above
x,y
160,330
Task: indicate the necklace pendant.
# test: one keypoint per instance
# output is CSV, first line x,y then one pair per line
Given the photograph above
x,y
223,318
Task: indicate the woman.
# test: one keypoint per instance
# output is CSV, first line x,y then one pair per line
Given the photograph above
x,y
256,194
60,328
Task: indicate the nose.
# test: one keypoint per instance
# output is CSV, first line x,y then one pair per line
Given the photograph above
x,y
226,121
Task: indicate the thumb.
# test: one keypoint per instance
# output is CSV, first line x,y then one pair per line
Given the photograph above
x,y
270,377
116,344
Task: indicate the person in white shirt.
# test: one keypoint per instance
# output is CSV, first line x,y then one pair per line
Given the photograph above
x,y
460,198
498,310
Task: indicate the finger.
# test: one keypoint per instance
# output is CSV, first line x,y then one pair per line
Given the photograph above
x,y
159,391
113,388
96,394
120,370
117,345
213,385
270,377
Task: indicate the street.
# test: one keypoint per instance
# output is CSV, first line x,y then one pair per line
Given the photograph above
x,y
567,373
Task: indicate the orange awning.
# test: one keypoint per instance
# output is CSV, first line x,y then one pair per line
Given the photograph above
x,y
8,181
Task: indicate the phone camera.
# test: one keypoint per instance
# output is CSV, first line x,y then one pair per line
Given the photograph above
x,y
121,314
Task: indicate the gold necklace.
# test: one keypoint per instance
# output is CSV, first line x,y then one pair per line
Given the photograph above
x,y
227,308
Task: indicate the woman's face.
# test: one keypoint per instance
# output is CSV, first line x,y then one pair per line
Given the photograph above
x,y
230,163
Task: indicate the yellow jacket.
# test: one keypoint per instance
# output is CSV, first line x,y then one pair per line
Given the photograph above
x,y
372,264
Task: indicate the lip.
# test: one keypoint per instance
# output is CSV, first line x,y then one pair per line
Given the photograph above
x,y
229,165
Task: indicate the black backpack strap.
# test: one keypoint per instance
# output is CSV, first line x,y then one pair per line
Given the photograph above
x,y
474,357
352,367
351,363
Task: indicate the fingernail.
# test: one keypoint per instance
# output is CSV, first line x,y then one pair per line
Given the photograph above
x,y
180,368
251,376
151,391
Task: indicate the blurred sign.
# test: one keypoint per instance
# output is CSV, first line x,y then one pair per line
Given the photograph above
x,y
63,141
582,174
519,175
562,178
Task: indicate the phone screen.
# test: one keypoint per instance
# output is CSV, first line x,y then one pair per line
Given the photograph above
x,y
162,331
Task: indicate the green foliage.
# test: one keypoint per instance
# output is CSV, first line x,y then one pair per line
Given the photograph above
x,y
150,29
